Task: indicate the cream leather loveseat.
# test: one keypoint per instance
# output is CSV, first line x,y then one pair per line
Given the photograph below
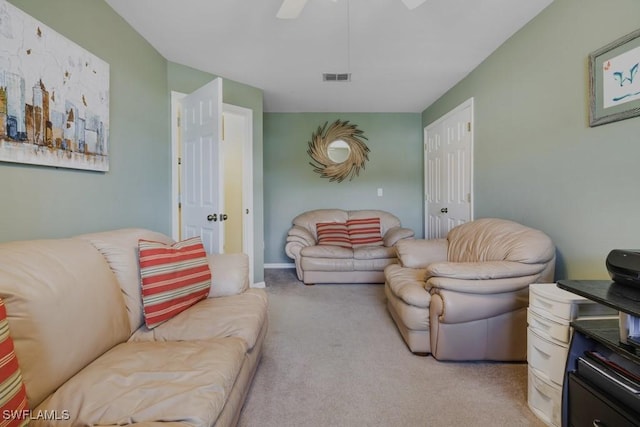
x,y
466,297
86,357
331,262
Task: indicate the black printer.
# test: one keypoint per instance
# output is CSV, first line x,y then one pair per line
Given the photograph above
x,y
624,266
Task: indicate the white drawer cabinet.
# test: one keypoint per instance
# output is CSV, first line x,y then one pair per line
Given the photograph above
x,y
550,313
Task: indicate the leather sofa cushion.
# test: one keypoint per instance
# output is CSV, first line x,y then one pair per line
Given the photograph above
x,y
151,381
325,251
374,252
376,264
327,264
120,248
64,306
232,316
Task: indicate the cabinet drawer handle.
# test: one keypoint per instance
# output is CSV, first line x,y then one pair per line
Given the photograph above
x,y
598,423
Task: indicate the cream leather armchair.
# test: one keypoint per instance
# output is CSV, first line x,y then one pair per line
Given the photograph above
x,y
466,297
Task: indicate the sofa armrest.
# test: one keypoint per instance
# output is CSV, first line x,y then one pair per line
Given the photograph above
x,y
395,234
419,253
298,238
449,307
483,270
229,274
475,286
302,234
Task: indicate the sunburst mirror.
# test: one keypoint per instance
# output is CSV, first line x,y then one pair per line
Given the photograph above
x,y
338,151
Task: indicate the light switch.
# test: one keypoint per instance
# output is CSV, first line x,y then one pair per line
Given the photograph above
x,y
379,192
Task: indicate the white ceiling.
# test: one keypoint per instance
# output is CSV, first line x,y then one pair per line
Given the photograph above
x,y
400,60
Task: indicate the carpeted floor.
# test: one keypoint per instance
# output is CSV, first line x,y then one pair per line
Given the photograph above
x,y
333,357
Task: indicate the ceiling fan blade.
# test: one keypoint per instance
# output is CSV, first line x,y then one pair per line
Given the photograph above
x,y
412,4
290,9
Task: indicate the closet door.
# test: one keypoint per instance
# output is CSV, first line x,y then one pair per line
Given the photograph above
x,y
448,171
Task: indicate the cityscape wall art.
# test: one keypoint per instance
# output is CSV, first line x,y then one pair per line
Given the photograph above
x,y
54,97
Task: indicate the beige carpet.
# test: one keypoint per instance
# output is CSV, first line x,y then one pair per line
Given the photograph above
x,y
333,357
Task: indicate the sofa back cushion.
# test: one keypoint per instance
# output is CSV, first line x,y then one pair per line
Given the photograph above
x,y
308,220
120,248
64,307
494,239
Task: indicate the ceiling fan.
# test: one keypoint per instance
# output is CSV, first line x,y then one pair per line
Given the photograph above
x,y
290,9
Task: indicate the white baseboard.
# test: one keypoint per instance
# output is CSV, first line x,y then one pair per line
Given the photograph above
x,y
280,265
258,285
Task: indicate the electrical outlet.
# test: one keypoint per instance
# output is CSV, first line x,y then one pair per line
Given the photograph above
x,y
379,192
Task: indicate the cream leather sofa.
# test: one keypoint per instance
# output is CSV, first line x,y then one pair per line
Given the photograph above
x,y
466,297
76,320
331,264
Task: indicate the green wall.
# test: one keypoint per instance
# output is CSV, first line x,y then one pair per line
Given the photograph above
x,y
292,187
44,202
537,161
185,79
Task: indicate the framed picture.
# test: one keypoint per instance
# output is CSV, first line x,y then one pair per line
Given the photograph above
x,y
54,97
614,81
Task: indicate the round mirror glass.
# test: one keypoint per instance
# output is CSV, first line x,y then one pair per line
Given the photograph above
x,y
338,151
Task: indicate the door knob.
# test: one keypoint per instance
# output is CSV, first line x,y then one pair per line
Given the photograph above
x,y
223,217
444,210
212,217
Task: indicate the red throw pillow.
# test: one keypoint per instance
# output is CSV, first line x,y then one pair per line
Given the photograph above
x,y
333,234
365,232
174,277
14,405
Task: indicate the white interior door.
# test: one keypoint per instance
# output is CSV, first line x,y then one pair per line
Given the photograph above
x,y
448,166
201,182
237,130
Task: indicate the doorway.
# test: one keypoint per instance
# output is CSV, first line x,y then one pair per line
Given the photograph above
x,y
235,177
448,171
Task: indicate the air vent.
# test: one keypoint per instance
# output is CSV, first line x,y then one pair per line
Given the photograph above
x,y
336,77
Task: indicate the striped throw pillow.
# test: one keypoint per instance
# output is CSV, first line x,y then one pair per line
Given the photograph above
x,y
13,394
174,277
333,234
365,232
